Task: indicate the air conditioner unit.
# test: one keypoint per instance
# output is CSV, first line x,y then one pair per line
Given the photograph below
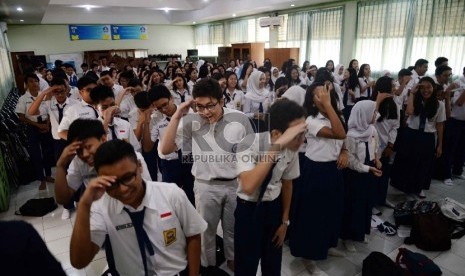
x,y
271,21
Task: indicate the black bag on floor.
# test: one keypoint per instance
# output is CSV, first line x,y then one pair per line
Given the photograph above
x,y
37,207
430,232
417,264
404,211
378,264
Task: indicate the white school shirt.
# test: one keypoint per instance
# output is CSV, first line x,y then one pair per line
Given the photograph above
x,y
321,149
213,145
237,99
177,97
402,99
350,102
387,130
157,133
133,118
413,121
357,152
79,172
22,107
124,132
247,158
127,105
340,102
43,84
117,90
169,219
458,112
363,84
190,84
74,94
81,110
251,107
50,107
415,79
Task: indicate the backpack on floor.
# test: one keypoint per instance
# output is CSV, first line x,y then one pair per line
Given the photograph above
x,y
417,264
37,207
380,265
404,211
430,232
452,209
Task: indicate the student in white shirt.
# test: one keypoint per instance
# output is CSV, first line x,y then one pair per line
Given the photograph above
x,y
267,163
354,64
257,100
315,230
420,69
75,167
233,97
71,74
40,146
293,76
116,127
351,88
107,80
150,227
441,77
360,180
411,171
246,72
126,100
211,135
192,76
274,74
180,92
338,73
85,109
387,123
366,83
102,66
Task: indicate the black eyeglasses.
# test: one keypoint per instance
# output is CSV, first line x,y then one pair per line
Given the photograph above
x,y
125,181
209,107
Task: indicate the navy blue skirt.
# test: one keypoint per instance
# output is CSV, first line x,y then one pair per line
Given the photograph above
x,y
317,210
413,164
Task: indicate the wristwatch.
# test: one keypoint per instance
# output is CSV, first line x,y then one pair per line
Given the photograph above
x,y
286,222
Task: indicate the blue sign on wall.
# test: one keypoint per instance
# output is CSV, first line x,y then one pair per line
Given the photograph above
x,y
119,32
89,32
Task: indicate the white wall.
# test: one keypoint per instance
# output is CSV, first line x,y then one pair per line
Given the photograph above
x,y
54,39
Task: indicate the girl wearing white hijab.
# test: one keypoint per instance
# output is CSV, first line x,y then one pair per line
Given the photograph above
x,y
199,64
274,74
338,74
362,144
257,99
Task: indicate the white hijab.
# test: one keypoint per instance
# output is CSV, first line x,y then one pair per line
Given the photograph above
x,y
199,64
273,78
338,77
360,121
254,92
295,93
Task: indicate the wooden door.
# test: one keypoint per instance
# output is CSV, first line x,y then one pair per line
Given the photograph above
x,y
21,63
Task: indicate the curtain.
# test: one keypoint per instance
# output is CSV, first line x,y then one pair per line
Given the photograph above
x,y
394,34
296,34
239,31
208,38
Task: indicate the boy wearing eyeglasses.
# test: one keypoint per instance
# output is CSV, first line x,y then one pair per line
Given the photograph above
x,y
75,167
152,229
211,135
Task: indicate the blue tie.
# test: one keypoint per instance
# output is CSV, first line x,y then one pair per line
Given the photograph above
x,y
422,125
113,132
260,108
60,112
143,240
368,89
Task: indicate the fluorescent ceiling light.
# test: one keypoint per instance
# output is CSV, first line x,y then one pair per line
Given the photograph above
x,y
19,9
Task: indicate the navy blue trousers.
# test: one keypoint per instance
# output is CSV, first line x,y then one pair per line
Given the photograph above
x,y
40,148
254,229
454,147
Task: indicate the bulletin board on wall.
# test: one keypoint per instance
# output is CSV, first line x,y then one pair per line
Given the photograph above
x,y
75,59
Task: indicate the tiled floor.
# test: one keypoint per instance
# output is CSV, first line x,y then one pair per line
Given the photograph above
x,y
57,233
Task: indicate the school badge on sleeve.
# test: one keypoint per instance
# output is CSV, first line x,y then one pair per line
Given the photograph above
x,y
170,236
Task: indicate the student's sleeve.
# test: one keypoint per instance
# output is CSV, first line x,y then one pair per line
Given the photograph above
x,y
314,125
98,228
154,132
133,139
246,155
74,176
394,127
354,163
67,120
21,106
145,170
248,107
191,222
441,113
183,138
293,169
357,92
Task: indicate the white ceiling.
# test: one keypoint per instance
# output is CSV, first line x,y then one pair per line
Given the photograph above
x,y
183,12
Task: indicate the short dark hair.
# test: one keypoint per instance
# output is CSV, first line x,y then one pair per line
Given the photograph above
x,y
84,81
58,63
81,129
404,72
142,100
323,74
105,73
58,73
217,76
134,82
127,75
282,113
158,92
30,76
58,81
113,151
207,87
420,62
440,60
100,93
441,69
84,65
67,65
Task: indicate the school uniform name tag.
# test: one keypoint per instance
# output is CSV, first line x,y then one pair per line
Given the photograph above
x,y
123,226
170,236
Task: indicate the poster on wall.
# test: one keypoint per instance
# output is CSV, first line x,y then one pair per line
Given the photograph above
x,y
120,32
75,59
89,32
